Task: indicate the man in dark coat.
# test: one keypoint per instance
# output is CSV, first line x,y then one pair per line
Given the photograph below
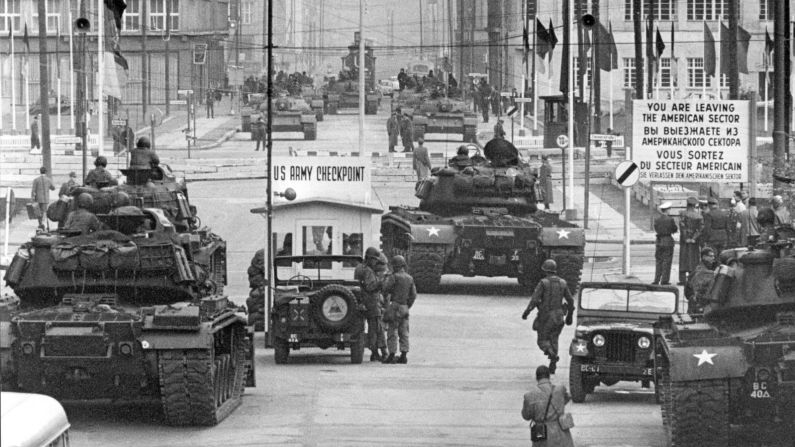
x,y
665,227
407,133
549,297
499,131
209,103
691,223
34,133
393,129
716,227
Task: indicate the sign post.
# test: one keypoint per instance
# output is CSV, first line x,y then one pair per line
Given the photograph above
x,y
563,141
627,174
511,112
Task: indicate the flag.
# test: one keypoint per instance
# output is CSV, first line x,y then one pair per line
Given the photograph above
x,y
116,67
649,43
552,40
525,44
11,39
659,45
117,7
24,66
743,40
740,57
57,53
25,39
709,52
768,48
606,49
674,64
542,40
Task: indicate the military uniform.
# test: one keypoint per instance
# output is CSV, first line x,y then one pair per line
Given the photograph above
x,y
393,131
401,293
691,223
664,226
100,177
83,220
548,297
697,288
545,179
534,407
716,226
407,133
460,162
371,288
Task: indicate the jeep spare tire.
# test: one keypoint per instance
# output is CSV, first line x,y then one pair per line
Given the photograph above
x,y
334,308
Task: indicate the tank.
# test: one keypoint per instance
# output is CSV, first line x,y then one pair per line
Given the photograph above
x,y
315,100
445,115
343,92
482,221
289,113
734,364
132,312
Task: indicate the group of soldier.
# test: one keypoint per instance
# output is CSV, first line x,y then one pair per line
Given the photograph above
x,y
387,297
705,231
400,125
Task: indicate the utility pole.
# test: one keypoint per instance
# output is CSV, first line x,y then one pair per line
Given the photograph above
x,y
781,91
237,53
422,50
361,77
44,89
650,44
168,56
144,55
733,74
81,66
596,72
269,196
636,19
460,45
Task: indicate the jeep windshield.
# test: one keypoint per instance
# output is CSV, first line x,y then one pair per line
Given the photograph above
x,y
628,299
316,267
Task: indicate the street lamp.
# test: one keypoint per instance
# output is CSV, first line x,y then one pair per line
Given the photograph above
x,y
82,25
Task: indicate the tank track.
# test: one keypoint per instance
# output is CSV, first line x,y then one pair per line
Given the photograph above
x,y
697,412
198,388
570,268
426,264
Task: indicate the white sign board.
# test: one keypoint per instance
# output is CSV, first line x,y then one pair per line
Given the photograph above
x,y
627,173
522,99
345,179
563,141
689,141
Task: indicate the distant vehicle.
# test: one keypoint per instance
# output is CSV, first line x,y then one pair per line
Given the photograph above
x,y
35,108
388,86
614,337
32,420
419,68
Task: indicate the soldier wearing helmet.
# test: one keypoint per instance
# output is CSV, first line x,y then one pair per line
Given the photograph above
x,y
99,177
122,207
143,157
700,282
461,160
400,293
371,295
82,219
548,297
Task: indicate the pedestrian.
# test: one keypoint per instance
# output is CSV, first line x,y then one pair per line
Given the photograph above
x,y
40,194
34,134
665,227
484,91
690,226
716,226
475,93
782,216
99,177
400,293
499,131
370,292
496,108
749,231
700,282
407,132
393,128
545,177
421,160
209,103
549,296
82,219
545,404
259,133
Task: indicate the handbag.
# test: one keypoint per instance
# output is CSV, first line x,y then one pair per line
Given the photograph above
x,y
538,430
566,421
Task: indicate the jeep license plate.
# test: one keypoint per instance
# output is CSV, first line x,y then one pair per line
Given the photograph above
x,y
589,368
497,260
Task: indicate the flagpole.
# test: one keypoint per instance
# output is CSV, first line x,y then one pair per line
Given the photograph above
x,y
570,61
535,75
767,56
673,66
611,90
526,62
101,83
704,65
58,77
27,91
717,50
71,71
13,84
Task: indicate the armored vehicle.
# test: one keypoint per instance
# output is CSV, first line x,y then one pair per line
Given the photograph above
x,y
613,336
343,93
735,362
447,116
482,221
134,311
315,100
289,114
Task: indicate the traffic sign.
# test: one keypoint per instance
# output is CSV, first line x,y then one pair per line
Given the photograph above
x,y
179,101
603,137
522,99
627,173
118,122
512,111
563,141
185,92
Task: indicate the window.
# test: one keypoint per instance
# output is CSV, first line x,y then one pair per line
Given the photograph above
x,y
283,245
665,72
157,14
352,245
695,74
53,17
587,70
629,72
698,10
132,16
10,13
663,9
317,241
245,13
766,10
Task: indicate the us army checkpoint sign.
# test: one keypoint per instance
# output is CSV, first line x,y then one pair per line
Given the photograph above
x,y
345,179
627,173
691,141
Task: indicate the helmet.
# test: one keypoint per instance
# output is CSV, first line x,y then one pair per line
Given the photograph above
x,y
372,252
120,198
398,262
101,161
84,200
549,266
144,143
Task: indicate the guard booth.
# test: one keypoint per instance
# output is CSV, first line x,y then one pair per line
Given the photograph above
x,y
556,120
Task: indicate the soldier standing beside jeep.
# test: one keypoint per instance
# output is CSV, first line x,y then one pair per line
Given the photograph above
x,y
400,293
548,298
371,288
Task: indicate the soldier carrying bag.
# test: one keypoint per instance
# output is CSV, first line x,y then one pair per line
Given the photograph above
x,y
538,430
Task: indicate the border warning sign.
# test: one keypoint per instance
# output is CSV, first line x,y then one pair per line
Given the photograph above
x,y
689,141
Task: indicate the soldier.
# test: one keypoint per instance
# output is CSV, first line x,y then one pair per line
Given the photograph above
x,y
259,133
461,161
548,298
68,186
99,177
371,288
484,92
716,226
749,231
538,403
407,132
700,281
393,129
421,160
545,179
780,211
40,193
664,226
690,226
82,219
143,156
34,134
499,131
122,207
209,102
400,293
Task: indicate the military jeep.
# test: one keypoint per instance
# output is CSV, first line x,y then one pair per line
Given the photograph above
x,y
317,310
614,338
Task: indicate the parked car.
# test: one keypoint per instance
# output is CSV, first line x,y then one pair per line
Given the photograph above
x,y
388,87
